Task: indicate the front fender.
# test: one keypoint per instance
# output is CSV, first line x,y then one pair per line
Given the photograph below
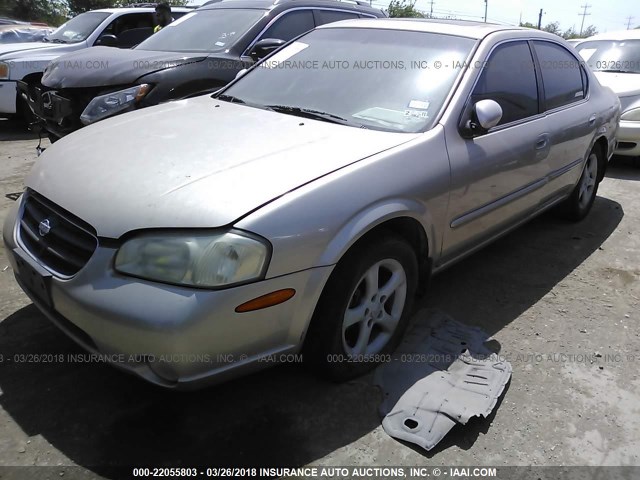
x,y
374,216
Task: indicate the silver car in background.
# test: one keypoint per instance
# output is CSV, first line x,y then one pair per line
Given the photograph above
x,y
614,58
300,208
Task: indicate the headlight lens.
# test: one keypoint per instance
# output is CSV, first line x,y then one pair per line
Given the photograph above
x,y
632,115
194,260
112,103
4,70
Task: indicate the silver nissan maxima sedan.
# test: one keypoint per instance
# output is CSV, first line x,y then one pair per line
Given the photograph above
x,y
299,209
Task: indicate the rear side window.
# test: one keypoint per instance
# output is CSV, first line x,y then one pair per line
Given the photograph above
x,y
562,75
290,25
330,16
509,78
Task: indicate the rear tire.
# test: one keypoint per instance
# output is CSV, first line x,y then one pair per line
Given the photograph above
x,y
579,204
364,308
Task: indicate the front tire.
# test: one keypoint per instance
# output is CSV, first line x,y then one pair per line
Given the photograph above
x,y
364,308
578,205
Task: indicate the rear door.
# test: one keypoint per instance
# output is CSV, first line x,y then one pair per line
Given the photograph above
x,y
571,119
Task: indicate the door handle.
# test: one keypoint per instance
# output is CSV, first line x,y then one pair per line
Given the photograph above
x,y
592,119
540,144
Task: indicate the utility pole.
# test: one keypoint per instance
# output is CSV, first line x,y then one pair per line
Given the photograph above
x,y
540,20
584,14
431,12
486,5
629,22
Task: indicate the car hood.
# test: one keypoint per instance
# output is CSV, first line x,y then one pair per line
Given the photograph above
x,y
623,84
192,164
103,66
10,48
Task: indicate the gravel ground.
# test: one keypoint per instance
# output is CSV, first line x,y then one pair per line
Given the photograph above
x,y
561,301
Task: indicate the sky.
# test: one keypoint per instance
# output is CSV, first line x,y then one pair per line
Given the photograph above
x,y
606,15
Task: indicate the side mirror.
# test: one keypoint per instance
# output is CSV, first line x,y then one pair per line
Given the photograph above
x,y
483,116
107,40
264,47
488,113
241,73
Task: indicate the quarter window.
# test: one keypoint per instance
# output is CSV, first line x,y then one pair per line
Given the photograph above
x,y
561,75
291,25
509,78
329,16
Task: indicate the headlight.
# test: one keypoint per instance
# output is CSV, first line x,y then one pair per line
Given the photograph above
x,y
112,103
194,260
632,115
4,70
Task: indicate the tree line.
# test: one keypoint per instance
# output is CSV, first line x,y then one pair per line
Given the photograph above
x,y
56,12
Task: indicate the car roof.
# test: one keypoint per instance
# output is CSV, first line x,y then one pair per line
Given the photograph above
x,y
461,28
618,35
359,5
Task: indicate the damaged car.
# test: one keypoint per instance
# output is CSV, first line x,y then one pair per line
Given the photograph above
x,y
25,61
201,52
300,209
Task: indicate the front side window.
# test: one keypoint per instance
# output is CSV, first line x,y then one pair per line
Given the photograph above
x,y
213,30
290,25
561,75
619,56
509,78
363,77
78,28
129,22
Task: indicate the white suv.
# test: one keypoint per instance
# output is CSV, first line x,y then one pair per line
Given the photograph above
x,y
121,27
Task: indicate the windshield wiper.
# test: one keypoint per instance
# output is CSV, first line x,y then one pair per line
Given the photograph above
x,y
229,98
57,40
616,71
312,114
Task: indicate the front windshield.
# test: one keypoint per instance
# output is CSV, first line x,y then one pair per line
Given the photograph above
x,y
611,55
203,31
78,28
382,79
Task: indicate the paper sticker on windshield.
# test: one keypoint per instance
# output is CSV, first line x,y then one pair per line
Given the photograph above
x,y
182,19
286,54
416,114
219,44
419,105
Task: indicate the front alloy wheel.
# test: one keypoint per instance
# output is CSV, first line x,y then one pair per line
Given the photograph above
x,y
375,309
364,308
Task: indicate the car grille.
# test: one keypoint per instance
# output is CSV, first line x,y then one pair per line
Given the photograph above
x,y
60,241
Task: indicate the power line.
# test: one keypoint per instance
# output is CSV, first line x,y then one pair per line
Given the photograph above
x,y
431,3
540,19
629,22
584,14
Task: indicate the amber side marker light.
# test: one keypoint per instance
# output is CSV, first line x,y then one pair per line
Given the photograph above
x,y
265,301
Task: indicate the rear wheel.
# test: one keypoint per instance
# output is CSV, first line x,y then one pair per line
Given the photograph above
x,y
364,308
578,205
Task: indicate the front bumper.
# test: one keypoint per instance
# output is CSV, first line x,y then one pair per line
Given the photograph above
x,y
8,95
628,137
172,336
